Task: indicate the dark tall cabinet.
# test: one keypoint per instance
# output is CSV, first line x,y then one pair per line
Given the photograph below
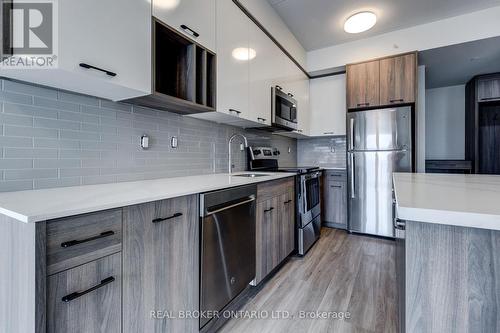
x,y
482,123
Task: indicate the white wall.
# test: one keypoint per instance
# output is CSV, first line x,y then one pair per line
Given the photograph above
x,y
270,19
473,26
445,122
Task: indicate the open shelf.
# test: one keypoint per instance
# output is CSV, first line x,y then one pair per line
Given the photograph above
x,y
183,74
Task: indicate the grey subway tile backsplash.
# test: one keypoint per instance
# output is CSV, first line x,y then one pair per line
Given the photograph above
x,y
324,152
51,138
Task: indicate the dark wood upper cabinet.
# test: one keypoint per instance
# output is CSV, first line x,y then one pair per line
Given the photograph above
x,y
488,89
363,84
382,82
397,79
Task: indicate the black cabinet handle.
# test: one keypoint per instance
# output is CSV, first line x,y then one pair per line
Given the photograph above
x,y
261,119
363,104
287,202
336,186
234,110
76,242
87,66
397,100
72,296
191,31
489,98
167,218
268,210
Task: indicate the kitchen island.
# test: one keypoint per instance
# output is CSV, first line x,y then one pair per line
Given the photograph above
x,y
448,252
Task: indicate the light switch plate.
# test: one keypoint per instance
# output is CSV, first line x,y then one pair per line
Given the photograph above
x,y
144,142
174,142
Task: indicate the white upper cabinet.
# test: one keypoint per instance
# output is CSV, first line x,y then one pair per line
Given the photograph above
x,y
232,63
193,18
328,106
264,71
101,52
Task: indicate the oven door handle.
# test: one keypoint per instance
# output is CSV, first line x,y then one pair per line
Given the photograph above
x,y
304,195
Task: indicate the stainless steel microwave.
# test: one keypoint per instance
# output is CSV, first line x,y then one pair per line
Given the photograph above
x,y
284,110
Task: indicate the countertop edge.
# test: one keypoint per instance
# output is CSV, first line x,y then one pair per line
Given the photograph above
x,y
459,219
23,218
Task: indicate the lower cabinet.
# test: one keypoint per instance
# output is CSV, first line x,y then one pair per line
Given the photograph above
x,y
335,200
86,298
161,265
275,225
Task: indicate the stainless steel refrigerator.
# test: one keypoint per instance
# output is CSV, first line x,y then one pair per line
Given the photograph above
x,y
379,142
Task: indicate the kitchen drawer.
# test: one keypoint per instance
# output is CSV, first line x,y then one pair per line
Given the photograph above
x,y
271,189
86,298
334,175
79,239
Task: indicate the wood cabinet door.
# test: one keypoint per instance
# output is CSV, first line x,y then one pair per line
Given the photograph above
x,y
86,298
335,202
398,79
267,238
161,265
488,89
287,224
363,84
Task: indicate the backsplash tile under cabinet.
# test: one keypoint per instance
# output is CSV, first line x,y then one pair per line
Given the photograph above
x,y
51,138
324,152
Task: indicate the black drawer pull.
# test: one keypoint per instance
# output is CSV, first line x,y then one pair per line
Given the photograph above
x,y
268,210
73,296
396,100
167,218
489,98
235,111
191,31
287,202
261,119
76,242
335,175
363,104
87,66
336,186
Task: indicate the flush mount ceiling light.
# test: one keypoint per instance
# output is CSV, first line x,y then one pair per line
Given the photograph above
x,y
244,53
360,22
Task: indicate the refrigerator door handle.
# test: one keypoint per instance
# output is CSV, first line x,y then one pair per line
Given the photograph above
x,y
351,157
351,136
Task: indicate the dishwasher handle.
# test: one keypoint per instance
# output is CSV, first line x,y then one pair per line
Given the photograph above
x,y
217,209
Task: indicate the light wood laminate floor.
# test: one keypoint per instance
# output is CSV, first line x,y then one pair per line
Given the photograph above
x,y
341,273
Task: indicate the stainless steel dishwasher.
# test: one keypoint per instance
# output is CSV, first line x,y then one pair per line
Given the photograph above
x,y
227,246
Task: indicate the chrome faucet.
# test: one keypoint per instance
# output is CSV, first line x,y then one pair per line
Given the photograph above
x,y
229,148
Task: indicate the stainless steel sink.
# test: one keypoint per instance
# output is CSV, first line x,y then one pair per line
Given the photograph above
x,y
252,175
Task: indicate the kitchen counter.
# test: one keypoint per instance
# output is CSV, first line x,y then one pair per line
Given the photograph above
x,y
449,199
46,204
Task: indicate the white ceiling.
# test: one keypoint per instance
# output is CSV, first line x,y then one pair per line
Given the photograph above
x,y
457,64
319,23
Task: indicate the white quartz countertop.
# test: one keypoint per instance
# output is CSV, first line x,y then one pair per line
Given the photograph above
x,y
460,200
41,205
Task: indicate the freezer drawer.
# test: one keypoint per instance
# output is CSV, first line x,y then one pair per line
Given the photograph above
x,y
370,189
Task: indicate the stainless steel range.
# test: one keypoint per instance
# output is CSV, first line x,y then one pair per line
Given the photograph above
x,y
307,192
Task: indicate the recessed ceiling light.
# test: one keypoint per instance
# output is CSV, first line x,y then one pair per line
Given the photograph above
x,y
360,22
244,53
